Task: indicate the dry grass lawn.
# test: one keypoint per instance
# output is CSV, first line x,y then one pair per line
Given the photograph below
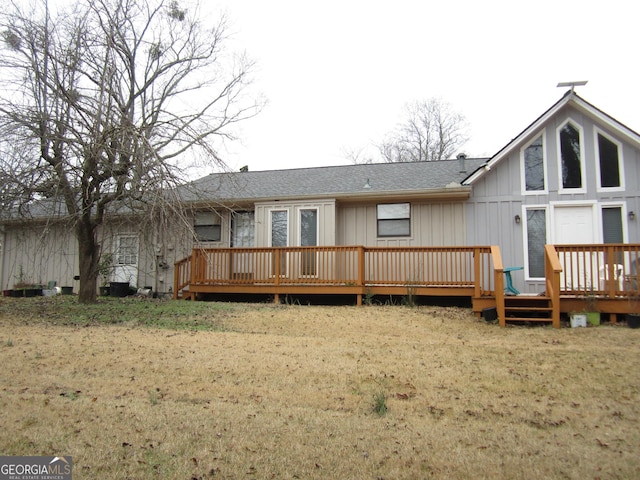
x,y
299,392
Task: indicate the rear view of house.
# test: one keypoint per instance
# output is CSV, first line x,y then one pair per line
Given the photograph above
x,y
571,178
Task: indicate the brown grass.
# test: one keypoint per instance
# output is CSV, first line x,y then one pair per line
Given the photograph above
x,y
288,392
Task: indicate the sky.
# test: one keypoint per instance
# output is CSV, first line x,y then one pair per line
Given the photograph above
x,y
337,74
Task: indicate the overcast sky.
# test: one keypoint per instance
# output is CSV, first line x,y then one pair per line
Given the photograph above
x,y
337,73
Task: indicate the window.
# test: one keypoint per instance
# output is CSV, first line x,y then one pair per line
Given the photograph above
x,y
207,227
308,238
612,231
533,158
127,250
608,162
612,225
279,238
571,155
536,239
242,229
394,220
279,228
309,227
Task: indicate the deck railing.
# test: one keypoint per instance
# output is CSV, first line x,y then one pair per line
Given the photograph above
x,y
339,266
604,270
182,274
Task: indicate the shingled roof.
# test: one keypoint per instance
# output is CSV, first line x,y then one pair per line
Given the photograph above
x,y
338,182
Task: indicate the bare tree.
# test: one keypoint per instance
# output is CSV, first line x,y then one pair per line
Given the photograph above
x,y
359,156
431,131
103,108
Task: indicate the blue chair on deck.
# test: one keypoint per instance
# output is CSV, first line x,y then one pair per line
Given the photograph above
x,y
509,289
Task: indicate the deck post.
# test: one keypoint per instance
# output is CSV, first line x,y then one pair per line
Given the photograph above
x,y
361,274
278,266
498,281
477,268
176,279
194,266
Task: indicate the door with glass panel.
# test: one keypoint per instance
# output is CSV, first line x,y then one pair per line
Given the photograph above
x,y
308,238
126,259
279,233
242,235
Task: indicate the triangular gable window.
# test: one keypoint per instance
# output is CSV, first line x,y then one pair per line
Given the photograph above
x,y
533,166
609,156
571,166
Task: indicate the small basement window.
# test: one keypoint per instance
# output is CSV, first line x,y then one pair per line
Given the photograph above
x,y
394,220
207,226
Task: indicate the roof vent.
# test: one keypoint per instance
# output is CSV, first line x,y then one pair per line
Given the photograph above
x,y
461,161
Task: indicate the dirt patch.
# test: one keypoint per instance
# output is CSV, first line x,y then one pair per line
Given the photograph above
x,y
295,391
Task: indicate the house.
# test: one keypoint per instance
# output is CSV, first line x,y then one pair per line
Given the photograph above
x,y
570,177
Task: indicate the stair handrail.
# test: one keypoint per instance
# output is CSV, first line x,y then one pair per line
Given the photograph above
x,y
181,275
498,280
552,270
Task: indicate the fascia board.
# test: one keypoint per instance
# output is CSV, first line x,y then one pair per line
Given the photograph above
x,y
509,147
452,193
614,125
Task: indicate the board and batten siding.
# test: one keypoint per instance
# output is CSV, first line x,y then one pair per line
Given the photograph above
x,y
498,197
432,224
40,253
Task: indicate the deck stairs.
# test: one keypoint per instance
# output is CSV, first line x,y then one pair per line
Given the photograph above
x,y
528,308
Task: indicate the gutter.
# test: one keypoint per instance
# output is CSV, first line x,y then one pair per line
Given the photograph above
x,y
457,192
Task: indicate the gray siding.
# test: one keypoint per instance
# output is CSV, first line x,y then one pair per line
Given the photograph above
x,y
498,196
40,253
432,224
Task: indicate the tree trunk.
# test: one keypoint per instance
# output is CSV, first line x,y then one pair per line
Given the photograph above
x,y
89,256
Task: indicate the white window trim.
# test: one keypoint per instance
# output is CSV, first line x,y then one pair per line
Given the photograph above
x,y
299,237
625,215
525,237
523,181
219,217
410,218
117,255
270,243
596,144
299,232
583,179
230,230
271,210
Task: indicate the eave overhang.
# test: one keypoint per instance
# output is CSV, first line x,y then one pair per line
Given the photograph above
x,y
454,193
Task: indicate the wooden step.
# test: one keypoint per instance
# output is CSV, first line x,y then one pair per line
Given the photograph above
x,y
528,308
528,319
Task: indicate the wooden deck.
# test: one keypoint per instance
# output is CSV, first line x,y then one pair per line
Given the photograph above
x,y
575,276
